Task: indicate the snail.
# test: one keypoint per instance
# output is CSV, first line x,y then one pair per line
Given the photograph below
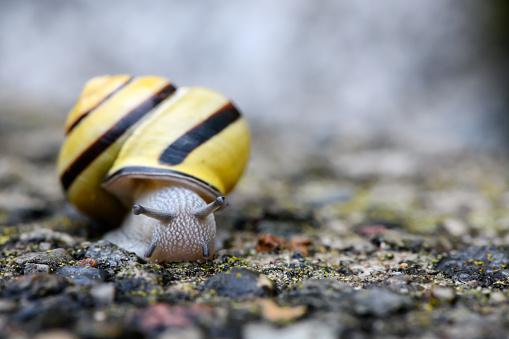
x,y
171,154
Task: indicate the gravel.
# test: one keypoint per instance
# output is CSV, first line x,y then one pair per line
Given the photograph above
x,y
408,248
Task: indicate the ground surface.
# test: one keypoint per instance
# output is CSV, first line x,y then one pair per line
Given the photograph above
x,y
336,240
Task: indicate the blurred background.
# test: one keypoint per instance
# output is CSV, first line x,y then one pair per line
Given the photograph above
x,y
425,75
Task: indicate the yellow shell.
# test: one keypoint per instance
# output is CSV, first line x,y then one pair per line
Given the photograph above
x,y
126,129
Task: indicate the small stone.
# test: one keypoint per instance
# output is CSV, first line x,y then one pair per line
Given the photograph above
x,y
31,269
240,282
367,269
7,306
378,302
179,333
363,247
44,246
325,285
56,334
82,275
371,230
398,283
477,263
162,316
48,236
455,227
103,294
100,329
264,283
35,286
498,297
139,284
444,293
109,256
301,330
53,258
297,256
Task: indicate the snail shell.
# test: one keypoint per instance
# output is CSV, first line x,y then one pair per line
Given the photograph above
x,y
172,153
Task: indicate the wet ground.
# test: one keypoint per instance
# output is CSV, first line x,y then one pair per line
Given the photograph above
x,y
333,239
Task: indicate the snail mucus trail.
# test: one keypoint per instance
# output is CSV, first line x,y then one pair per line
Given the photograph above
x,y
170,155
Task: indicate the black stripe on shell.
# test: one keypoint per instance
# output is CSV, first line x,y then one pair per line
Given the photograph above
x,y
183,146
84,114
108,138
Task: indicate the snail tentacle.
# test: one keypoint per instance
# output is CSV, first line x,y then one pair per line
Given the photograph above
x,y
206,251
206,210
162,216
151,248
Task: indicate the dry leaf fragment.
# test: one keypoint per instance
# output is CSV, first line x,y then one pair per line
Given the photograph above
x,y
273,312
268,243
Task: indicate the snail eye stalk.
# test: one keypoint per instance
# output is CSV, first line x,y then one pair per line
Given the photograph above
x,y
206,210
151,248
162,216
206,250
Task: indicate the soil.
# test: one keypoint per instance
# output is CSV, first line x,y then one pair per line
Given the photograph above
x,y
326,239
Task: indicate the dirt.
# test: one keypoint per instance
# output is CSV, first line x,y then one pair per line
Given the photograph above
x,y
342,239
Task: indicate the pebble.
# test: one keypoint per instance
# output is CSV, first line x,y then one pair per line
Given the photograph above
x,y
7,306
498,297
363,247
366,269
53,258
477,263
179,333
398,283
48,235
34,287
455,227
109,256
102,329
444,293
31,269
82,275
378,302
56,334
162,315
322,294
138,284
239,282
103,294
302,330
44,246
325,284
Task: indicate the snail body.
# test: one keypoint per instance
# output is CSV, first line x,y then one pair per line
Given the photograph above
x,y
172,153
